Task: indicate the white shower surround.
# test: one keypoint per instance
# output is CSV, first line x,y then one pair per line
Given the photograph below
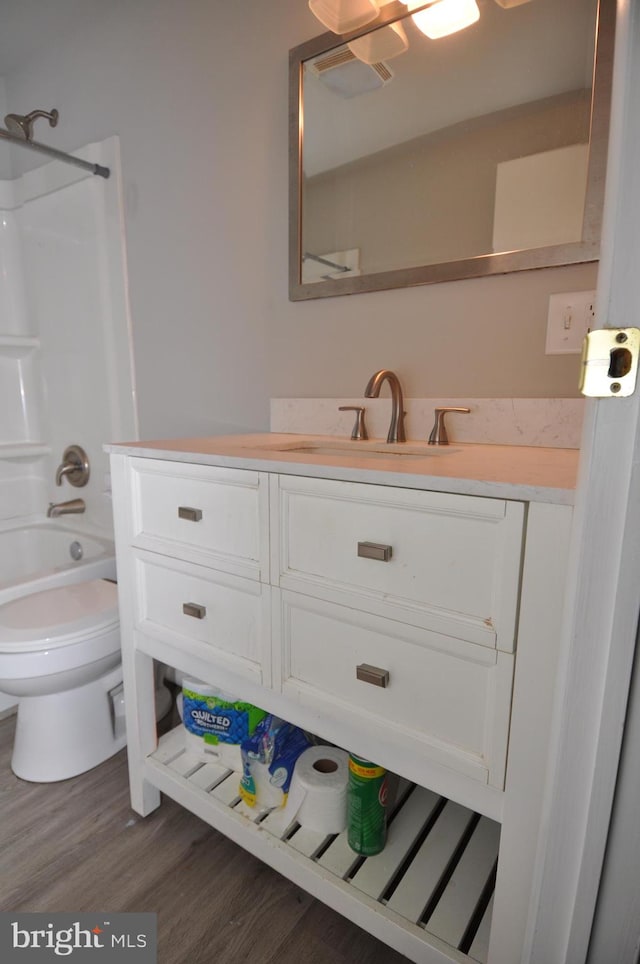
x,y
66,358
66,369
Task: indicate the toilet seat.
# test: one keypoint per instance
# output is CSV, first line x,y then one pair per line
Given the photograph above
x,y
60,657
58,617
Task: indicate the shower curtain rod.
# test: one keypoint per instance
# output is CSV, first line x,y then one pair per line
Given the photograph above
x,y
307,256
52,152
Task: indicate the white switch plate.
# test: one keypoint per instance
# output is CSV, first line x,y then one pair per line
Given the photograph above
x,y
571,316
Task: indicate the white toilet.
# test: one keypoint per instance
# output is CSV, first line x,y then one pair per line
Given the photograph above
x,y
60,654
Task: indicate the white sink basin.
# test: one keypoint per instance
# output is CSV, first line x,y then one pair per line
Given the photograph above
x,y
371,448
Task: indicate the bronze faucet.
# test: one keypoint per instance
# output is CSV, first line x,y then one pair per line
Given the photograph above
x,y
396,427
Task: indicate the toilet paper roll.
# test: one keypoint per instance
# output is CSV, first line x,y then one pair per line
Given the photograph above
x,y
318,793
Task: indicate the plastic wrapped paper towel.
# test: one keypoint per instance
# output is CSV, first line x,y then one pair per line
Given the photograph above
x,y
268,760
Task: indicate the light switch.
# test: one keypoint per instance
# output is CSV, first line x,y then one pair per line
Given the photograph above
x,y
571,316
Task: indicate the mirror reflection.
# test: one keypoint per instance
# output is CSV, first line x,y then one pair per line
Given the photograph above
x,y
465,155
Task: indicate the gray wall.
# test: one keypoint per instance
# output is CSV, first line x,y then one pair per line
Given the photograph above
x,y
432,199
197,92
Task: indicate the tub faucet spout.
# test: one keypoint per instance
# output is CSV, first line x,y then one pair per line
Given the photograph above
x,y
396,426
73,506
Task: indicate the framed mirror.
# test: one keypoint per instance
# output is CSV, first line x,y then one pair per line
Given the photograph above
x,y
479,153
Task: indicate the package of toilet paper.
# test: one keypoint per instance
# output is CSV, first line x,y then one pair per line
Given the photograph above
x,y
216,723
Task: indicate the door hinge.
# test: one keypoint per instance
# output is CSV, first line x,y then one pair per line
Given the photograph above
x,y
609,365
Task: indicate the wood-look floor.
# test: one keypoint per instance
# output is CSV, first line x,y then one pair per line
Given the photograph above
x,y
77,846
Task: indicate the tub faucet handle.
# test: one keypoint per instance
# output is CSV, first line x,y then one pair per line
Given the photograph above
x,y
359,430
74,465
439,431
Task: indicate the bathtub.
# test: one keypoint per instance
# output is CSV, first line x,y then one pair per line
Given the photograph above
x,y
43,555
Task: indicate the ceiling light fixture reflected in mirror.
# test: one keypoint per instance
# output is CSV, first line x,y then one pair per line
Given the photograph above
x,y
382,44
511,3
444,17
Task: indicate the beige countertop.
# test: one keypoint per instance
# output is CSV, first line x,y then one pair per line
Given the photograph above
x,y
522,472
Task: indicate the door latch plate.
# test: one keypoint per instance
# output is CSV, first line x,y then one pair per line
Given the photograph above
x,y
609,365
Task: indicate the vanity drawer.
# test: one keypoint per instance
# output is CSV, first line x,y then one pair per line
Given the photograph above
x,y
450,698
194,607
213,516
449,563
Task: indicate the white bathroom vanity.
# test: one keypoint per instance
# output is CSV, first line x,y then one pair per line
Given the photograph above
x,y
276,566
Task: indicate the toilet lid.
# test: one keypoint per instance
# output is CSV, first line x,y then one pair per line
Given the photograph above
x,y
59,613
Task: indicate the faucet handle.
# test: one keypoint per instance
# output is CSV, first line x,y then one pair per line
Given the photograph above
x,y
439,432
74,465
359,430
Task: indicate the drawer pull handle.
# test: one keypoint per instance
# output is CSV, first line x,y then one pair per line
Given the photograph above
x,y
195,610
374,550
191,515
372,674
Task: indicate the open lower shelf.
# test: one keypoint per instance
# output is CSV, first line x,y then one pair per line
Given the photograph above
x,y
428,894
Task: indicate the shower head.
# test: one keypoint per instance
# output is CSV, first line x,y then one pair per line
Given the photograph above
x,y
22,124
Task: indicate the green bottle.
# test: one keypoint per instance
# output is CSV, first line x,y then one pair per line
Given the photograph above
x,y
366,807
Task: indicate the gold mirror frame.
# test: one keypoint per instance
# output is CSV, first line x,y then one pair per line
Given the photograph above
x,y
585,250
